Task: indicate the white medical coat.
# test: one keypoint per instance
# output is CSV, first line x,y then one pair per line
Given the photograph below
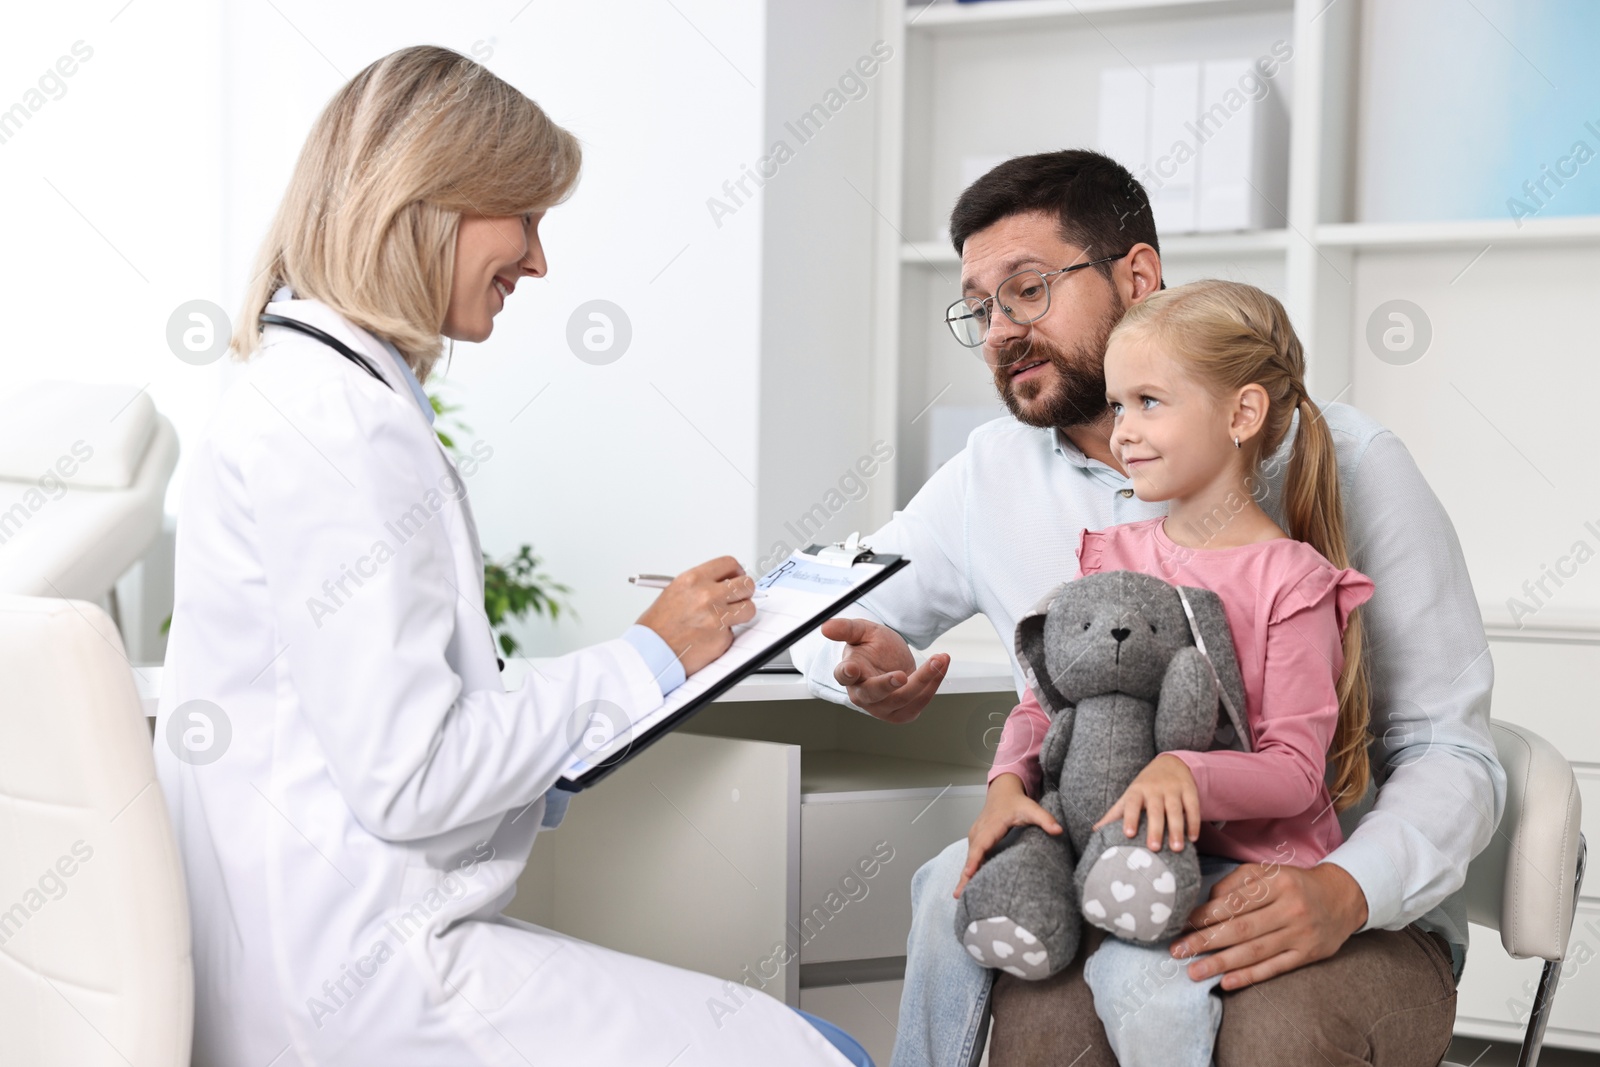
x,y
349,853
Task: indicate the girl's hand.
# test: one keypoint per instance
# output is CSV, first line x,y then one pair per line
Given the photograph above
x,y
1166,789
1006,806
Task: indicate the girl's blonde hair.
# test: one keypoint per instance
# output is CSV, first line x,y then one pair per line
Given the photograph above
x,y
368,223
1229,335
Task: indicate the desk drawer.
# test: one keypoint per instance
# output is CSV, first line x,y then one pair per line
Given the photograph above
x,y
687,855
847,834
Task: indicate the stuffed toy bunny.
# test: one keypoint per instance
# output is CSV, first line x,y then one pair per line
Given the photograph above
x,y
1112,658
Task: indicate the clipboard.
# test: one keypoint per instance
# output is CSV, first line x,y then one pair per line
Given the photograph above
x,y
800,594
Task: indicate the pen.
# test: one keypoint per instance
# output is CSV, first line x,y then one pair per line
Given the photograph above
x,y
661,581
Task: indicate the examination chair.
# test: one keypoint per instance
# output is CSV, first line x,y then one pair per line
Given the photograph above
x,y
83,472
1524,884
95,964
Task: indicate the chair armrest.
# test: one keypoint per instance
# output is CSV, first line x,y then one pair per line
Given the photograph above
x,y
1525,882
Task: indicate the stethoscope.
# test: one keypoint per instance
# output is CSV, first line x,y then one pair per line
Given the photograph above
x,y
326,338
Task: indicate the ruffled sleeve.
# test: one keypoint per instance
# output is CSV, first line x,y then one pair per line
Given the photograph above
x,y
1348,586
1091,543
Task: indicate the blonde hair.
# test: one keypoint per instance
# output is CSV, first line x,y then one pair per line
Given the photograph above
x,y
368,224
1229,335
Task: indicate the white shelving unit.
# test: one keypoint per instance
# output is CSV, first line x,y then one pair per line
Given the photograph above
x,y
952,59
959,63
1499,294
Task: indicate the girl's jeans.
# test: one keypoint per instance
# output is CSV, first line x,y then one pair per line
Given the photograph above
x,y
1155,1015
944,1008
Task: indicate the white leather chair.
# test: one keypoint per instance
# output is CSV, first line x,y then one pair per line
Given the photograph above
x,y
94,923
83,474
1525,883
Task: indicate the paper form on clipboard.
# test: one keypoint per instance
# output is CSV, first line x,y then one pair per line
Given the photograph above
x,y
810,587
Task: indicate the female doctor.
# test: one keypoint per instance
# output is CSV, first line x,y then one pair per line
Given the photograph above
x,y
350,851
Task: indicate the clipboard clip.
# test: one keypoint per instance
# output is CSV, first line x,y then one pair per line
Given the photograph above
x,y
846,553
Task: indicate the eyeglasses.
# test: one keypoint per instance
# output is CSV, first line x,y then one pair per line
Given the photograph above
x,y
1024,297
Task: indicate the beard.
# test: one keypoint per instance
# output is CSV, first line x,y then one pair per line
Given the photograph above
x,y
1076,395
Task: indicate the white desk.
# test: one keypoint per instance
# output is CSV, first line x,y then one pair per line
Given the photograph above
x,y
746,829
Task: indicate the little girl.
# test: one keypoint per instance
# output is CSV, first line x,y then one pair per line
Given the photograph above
x,y
1202,381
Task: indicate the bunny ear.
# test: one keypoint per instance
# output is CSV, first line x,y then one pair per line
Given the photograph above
x,y
1029,643
1210,626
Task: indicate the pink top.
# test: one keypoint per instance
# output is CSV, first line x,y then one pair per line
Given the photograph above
x,y
1287,606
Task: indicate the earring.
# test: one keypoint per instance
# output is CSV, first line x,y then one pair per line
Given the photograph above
x,y
1236,441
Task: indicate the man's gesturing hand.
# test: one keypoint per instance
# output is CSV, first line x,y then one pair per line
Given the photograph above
x,y
1263,921
879,673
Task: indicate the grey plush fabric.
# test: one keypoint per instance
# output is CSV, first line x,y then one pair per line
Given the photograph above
x,y
1111,658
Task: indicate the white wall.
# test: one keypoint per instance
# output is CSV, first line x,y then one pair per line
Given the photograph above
x,y
637,465
821,474
113,194
1455,114
177,137
1493,413
127,195
1478,117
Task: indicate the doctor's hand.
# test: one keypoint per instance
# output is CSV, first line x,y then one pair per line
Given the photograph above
x,y
695,615
879,673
